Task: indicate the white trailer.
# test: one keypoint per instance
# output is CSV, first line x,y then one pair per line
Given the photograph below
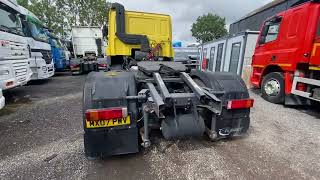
x,y
40,58
14,66
88,46
231,54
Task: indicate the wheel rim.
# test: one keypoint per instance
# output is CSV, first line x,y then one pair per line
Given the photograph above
x,y
272,87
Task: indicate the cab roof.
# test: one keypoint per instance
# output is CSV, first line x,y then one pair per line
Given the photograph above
x,y
12,4
30,16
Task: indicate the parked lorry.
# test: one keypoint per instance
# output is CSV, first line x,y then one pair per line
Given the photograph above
x,y
67,52
286,62
58,51
40,57
232,54
146,91
88,47
14,66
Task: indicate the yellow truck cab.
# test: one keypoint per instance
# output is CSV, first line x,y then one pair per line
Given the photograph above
x,y
129,32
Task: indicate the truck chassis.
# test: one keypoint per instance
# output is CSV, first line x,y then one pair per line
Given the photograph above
x,y
165,96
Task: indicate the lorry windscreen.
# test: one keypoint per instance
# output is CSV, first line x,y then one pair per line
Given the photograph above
x,y
37,32
10,21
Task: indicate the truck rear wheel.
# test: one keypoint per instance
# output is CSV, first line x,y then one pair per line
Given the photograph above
x,y
272,88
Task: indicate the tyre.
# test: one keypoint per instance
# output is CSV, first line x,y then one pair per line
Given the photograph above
x,y
272,88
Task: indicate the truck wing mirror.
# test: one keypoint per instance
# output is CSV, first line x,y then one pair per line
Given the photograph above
x,y
12,17
262,40
105,31
264,31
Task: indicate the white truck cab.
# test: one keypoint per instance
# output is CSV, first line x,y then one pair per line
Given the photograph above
x,y
88,49
14,65
40,58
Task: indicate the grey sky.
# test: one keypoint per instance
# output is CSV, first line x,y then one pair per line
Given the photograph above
x,y
185,12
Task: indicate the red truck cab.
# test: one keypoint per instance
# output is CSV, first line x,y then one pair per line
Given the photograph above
x,y
286,61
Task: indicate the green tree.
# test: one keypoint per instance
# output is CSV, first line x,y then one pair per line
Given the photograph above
x,y
209,27
48,12
61,15
23,3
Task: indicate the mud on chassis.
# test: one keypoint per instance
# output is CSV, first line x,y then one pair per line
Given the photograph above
x,y
160,95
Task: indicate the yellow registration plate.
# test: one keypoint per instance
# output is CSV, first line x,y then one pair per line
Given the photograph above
x,y
108,123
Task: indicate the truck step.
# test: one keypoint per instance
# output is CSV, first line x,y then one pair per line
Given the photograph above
x,y
316,92
255,83
257,74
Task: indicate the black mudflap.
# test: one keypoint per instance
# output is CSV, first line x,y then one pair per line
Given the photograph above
x,y
101,91
111,142
227,87
232,122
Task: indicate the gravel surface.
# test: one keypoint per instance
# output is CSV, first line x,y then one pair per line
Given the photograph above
x,y
41,138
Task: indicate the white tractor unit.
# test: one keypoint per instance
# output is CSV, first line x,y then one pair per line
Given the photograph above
x,y
40,58
88,47
14,66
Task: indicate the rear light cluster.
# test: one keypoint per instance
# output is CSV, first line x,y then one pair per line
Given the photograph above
x,y
102,65
204,63
240,104
301,87
106,114
75,66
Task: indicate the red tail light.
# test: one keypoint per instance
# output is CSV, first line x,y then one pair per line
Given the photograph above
x,y
105,114
75,66
301,87
240,104
204,63
102,65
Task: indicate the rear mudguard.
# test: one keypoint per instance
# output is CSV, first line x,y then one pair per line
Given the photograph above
x,y
226,86
233,86
103,90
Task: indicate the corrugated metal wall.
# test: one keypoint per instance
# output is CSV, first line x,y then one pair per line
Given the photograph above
x,y
255,21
